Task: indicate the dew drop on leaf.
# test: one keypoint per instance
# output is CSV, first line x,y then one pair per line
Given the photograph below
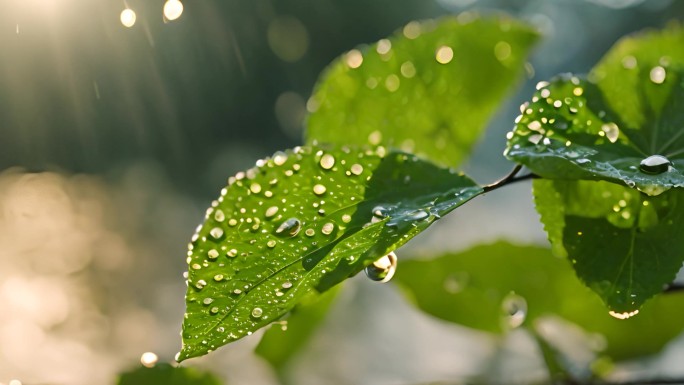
x,y
279,158
383,269
319,189
290,227
625,315
655,164
271,211
286,285
657,75
514,308
257,312
328,228
327,161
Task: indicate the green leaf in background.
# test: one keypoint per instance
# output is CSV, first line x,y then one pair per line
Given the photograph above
x,y
624,245
624,125
429,89
165,374
300,222
280,344
501,286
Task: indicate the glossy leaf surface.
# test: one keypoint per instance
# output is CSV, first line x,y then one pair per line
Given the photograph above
x,y
299,223
623,125
429,89
624,245
478,288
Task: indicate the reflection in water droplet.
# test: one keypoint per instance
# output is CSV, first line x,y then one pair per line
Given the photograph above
x,y
657,75
290,227
624,315
514,309
655,164
327,161
257,312
383,269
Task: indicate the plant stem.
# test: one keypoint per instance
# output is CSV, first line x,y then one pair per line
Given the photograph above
x,y
510,178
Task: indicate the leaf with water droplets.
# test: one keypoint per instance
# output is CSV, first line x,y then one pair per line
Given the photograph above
x,y
273,236
500,286
624,245
165,374
622,124
429,89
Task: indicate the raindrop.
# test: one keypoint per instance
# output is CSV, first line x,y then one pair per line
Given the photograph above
x,y
514,308
383,269
128,17
148,359
310,232
612,131
218,277
657,75
444,54
232,253
655,164
216,232
286,285
212,254
356,169
279,158
319,189
255,188
346,218
328,228
257,312
623,315
173,9
214,310
219,216
271,211
201,284
208,301
327,161
232,222
290,227
418,215
354,58
271,243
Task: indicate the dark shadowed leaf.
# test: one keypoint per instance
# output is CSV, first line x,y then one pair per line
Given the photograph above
x,y
299,223
500,286
165,374
429,89
623,125
624,245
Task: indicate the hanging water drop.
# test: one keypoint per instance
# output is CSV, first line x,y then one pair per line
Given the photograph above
x,y
383,269
624,315
290,227
514,308
655,164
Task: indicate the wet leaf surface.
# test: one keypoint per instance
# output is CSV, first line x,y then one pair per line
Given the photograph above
x,y
429,89
502,286
299,223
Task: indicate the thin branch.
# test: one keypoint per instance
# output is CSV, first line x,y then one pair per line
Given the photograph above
x,y
510,178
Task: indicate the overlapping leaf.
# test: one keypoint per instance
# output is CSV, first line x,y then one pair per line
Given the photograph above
x,y
624,245
165,374
500,286
628,112
300,222
429,89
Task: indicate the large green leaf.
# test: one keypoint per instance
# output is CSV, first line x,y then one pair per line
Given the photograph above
x,y
429,89
303,221
624,245
482,287
165,374
623,125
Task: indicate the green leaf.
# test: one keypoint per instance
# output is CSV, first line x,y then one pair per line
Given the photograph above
x,y
165,374
396,92
280,344
624,245
473,288
623,125
302,222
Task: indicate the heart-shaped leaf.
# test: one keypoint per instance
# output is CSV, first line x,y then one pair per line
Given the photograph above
x,y
623,125
500,286
429,89
624,245
299,223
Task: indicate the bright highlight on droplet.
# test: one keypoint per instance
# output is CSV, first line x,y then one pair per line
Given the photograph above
x,y
149,359
657,75
128,17
173,9
624,315
444,54
354,59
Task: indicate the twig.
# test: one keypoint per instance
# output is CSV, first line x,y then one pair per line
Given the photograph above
x,y
510,178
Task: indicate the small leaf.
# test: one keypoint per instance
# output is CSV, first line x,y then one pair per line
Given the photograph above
x,y
472,288
624,245
429,89
301,221
623,125
280,343
165,374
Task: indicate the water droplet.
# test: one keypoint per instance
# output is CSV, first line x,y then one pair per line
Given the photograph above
x,y
208,301
356,169
327,161
655,164
255,188
383,269
232,253
286,285
232,222
354,58
346,218
271,243
271,211
514,308
319,189
212,254
257,312
328,228
375,138
148,359
219,216
611,131
310,232
216,232
444,54
214,310
290,227
279,158
218,277
629,62
623,315
657,75
418,215
201,284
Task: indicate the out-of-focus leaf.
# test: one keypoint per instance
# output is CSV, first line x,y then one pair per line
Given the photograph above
x,y
301,221
624,245
623,125
282,342
165,374
499,286
429,89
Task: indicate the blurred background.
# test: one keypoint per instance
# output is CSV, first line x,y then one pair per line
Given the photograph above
x,y
117,129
